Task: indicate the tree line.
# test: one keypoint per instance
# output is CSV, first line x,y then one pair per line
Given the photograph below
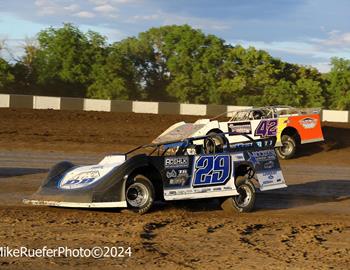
x,y
168,63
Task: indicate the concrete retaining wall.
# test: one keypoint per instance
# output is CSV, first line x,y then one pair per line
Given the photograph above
x,y
21,101
145,107
46,103
336,116
74,104
121,106
97,105
214,110
168,108
193,109
66,103
4,101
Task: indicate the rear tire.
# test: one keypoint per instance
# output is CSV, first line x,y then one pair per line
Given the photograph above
x,y
139,194
288,148
245,201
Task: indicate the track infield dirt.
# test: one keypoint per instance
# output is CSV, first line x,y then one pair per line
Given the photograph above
x,y
305,227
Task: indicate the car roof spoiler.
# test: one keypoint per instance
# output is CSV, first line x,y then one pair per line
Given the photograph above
x,y
274,107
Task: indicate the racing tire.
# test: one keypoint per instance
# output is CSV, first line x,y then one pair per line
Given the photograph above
x,y
139,194
245,201
288,148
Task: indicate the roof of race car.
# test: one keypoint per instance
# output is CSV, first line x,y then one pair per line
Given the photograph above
x,y
252,109
274,108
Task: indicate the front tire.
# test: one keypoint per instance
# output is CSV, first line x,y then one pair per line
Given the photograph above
x,y
288,148
245,201
139,194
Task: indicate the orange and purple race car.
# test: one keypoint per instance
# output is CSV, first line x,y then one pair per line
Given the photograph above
x,y
291,126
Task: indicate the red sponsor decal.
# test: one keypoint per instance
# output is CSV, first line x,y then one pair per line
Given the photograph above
x,y
308,122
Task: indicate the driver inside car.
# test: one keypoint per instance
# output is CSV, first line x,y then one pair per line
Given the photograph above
x,y
257,115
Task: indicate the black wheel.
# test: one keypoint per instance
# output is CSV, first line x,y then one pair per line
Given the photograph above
x,y
139,194
288,148
244,202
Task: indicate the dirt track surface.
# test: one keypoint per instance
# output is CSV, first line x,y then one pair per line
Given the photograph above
x,y
306,226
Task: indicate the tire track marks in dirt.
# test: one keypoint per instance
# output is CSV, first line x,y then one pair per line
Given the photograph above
x,y
292,244
182,239
149,233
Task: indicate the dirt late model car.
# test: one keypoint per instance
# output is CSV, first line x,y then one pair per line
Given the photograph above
x,y
291,126
177,170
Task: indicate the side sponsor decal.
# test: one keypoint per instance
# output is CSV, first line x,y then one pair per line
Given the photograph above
x,y
269,165
258,143
267,182
99,167
239,128
266,128
265,143
171,174
242,145
261,156
176,162
177,178
80,180
270,177
237,157
212,170
269,174
308,122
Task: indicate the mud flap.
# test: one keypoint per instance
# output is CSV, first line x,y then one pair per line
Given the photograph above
x,y
269,180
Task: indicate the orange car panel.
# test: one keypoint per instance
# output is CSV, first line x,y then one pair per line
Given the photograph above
x,y
308,127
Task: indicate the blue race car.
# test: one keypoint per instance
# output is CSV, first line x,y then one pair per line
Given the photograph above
x,y
177,170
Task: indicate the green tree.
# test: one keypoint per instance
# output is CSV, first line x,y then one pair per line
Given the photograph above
x,y
24,69
169,63
115,78
166,63
311,91
66,57
194,63
339,84
6,76
283,93
245,74
304,93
